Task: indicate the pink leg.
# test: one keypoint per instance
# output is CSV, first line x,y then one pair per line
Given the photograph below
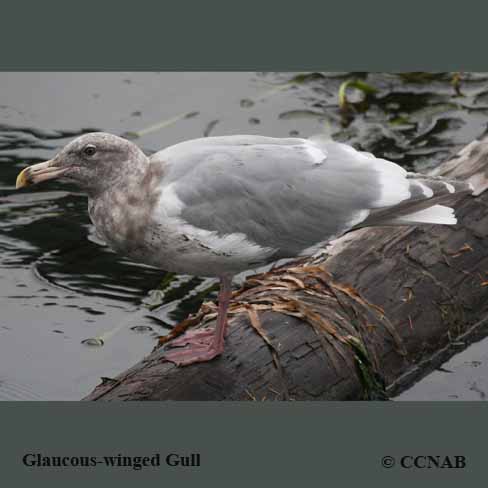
x,y
196,336
203,345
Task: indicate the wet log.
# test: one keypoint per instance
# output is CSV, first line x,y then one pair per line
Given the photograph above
x,y
381,309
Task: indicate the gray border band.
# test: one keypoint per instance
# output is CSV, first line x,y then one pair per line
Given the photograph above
x,y
251,35
248,444
245,444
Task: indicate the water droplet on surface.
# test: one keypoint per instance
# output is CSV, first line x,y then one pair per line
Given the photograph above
x,y
141,328
93,341
246,103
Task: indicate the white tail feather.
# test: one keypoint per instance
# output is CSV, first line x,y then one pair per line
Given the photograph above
x,y
437,214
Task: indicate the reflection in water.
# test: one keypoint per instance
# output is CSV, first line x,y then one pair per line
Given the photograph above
x,y
60,287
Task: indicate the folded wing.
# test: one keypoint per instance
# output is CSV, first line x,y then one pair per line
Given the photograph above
x,y
292,194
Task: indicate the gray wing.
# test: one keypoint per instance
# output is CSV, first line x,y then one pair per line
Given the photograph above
x,y
285,194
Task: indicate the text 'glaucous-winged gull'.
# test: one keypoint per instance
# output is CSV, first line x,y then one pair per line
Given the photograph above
x,y
220,205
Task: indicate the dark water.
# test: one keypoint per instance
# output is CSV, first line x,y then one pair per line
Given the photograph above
x,y
59,287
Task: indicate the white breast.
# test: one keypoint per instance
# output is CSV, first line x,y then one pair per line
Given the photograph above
x,y
185,248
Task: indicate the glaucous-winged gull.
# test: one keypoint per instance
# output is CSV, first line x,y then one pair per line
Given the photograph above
x,y
217,206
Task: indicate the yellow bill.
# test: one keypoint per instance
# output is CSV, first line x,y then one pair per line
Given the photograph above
x,y
37,173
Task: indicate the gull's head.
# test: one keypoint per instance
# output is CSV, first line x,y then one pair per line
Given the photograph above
x,y
94,161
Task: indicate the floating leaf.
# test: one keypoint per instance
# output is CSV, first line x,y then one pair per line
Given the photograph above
x,y
359,85
160,125
456,83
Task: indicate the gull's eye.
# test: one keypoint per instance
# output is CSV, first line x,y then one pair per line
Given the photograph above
x,y
89,150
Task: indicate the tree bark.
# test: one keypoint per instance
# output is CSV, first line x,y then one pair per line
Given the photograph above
x,y
383,308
